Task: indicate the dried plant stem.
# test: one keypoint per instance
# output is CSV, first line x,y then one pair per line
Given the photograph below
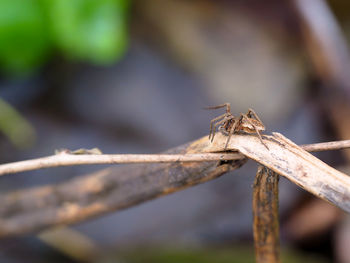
x,y
265,216
120,187
326,146
67,159
64,159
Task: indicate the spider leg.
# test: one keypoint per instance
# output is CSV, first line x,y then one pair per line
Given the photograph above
x,y
223,121
232,130
214,128
256,130
213,121
251,112
227,105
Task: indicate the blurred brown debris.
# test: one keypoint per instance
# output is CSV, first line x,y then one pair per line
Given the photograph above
x,y
330,56
236,49
311,220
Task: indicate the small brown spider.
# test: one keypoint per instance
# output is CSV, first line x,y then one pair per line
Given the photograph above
x,y
229,124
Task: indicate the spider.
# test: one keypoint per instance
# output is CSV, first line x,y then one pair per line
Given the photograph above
x,y
248,123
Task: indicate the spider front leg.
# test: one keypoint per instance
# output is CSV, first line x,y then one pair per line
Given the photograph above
x,y
225,120
227,105
212,126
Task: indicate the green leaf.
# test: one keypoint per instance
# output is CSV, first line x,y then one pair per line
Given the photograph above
x,y
91,30
24,42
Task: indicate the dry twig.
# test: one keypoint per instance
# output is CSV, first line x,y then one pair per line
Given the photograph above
x,y
326,146
67,159
265,216
64,159
124,186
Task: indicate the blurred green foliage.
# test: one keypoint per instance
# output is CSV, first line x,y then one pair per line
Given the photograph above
x,y
20,132
85,30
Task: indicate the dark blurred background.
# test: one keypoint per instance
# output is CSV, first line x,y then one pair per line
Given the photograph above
x,y
133,77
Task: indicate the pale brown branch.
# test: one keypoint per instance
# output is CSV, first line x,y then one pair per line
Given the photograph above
x,y
67,159
64,159
326,146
